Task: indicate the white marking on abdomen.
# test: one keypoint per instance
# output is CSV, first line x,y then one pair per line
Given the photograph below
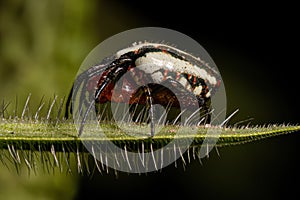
x,y
207,94
154,61
197,90
157,77
148,68
185,83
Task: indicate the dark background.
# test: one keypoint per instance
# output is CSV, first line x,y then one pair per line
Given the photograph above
x,y
255,47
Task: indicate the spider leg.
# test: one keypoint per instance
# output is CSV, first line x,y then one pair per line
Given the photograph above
x,y
150,101
183,95
116,70
82,79
69,104
98,93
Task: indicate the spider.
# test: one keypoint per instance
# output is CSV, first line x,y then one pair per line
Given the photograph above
x,y
153,68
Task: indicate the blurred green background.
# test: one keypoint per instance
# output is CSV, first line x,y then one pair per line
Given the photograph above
x,y
42,44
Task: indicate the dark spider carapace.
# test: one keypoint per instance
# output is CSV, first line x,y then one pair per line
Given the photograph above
x,y
148,74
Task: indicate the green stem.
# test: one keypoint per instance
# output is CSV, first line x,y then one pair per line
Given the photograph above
x,y
65,131
55,144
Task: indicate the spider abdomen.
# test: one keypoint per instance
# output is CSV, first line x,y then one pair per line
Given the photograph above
x,y
157,64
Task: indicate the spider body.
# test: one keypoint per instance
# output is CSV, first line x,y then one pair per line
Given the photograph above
x,y
158,71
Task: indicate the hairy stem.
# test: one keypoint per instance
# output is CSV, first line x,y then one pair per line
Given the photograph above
x,y
49,139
